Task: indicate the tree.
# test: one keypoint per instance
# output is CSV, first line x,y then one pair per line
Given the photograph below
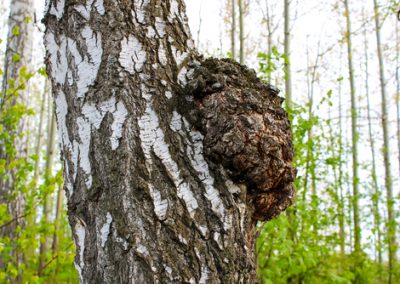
x,y
354,135
156,165
233,29
13,145
288,73
398,91
241,32
391,226
374,177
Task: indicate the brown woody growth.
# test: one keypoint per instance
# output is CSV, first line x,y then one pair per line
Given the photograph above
x,y
246,130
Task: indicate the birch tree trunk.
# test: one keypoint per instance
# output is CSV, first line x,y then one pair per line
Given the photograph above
x,y
342,206
391,226
269,37
354,135
233,28
398,92
18,55
152,197
46,204
374,177
287,69
241,31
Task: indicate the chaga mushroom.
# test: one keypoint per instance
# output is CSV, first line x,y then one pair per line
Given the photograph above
x,y
246,130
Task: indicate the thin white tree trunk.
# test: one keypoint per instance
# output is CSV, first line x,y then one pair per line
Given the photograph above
x,y
287,67
46,206
391,226
241,32
376,192
354,135
233,28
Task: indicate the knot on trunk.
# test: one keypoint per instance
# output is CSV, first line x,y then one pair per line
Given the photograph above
x,y
245,129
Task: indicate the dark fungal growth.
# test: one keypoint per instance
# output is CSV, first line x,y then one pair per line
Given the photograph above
x,y
246,130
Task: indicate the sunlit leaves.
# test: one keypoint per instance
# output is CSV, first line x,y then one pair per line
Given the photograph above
x,y
15,30
42,71
16,57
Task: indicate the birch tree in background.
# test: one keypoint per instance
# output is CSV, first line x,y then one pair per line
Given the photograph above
x,y
18,57
376,194
288,75
233,28
354,139
398,91
156,166
241,32
391,225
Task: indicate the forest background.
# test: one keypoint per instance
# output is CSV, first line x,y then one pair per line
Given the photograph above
x,y
336,62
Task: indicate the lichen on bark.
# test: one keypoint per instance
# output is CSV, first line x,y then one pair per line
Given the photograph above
x,y
245,129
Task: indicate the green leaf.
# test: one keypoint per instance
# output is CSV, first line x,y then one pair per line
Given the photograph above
x,y
42,71
15,30
16,57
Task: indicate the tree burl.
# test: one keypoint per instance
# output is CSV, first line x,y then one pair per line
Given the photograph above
x,y
245,129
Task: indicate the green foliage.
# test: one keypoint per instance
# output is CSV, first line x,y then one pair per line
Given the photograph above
x,y
271,62
15,31
20,235
16,57
303,245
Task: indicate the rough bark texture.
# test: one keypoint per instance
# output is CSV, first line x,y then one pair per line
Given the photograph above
x,y
147,201
246,130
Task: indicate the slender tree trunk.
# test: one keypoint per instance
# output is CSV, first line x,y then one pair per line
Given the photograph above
x,y
58,232
398,90
241,32
287,69
376,193
354,134
39,137
233,29
269,39
311,156
47,195
142,179
391,228
57,221
341,211
310,165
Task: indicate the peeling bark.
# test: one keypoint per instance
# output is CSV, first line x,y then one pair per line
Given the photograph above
x,y
146,202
